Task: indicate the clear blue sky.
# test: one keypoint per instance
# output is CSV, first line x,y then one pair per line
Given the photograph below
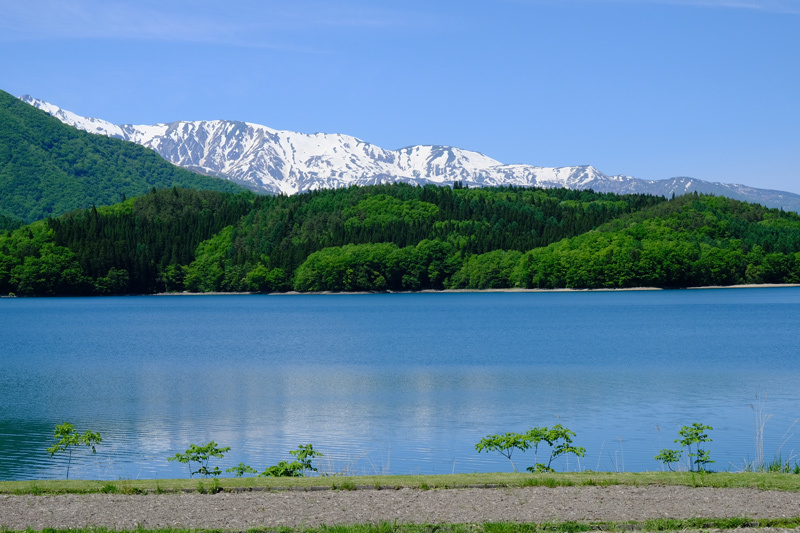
x,y
649,88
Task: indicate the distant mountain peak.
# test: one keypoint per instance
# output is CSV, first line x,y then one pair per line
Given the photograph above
x,y
273,161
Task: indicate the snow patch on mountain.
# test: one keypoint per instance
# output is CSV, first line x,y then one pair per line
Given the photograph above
x,y
286,162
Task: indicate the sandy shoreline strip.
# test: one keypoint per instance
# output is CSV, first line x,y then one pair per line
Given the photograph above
x,y
455,291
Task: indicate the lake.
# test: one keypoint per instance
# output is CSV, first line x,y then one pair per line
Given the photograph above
x,y
395,383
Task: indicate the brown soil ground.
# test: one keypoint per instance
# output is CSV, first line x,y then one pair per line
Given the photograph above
x,y
243,510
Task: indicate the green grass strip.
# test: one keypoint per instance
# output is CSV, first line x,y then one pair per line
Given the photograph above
x,y
757,480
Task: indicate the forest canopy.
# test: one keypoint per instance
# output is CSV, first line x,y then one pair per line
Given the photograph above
x,y
400,237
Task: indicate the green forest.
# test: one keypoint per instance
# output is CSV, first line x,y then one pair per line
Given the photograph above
x,y
48,168
399,238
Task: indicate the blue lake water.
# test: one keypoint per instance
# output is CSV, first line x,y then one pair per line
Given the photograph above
x,y
395,383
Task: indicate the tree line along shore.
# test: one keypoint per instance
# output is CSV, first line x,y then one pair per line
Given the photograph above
x,y
400,238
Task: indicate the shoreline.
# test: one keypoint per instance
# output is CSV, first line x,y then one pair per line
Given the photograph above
x,y
457,291
431,291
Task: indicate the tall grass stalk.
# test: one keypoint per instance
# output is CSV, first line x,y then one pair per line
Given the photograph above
x,y
384,468
599,455
352,464
759,464
760,423
787,435
341,465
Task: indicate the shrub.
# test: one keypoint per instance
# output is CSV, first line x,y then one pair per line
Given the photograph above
x,y
558,438
201,455
297,468
691,435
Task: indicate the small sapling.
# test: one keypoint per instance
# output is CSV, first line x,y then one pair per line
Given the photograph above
x,y
201,455
68,439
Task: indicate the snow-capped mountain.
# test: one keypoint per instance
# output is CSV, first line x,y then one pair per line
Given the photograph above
x,y
273,161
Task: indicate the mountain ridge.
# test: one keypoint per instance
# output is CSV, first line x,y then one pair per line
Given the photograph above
x,y
284,162
48,168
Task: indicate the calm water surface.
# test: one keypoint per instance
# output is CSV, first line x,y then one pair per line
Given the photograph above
x,y
394,383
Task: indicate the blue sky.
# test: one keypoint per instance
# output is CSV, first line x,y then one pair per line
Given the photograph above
x,y
649,88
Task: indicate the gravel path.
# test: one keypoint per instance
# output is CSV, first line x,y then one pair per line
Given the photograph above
x,y
243,510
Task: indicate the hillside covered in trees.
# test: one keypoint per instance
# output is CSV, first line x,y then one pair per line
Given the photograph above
x,y
400,238
48,168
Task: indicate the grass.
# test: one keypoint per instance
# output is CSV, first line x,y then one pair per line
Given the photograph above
x,y
759,480
345,484
777,465
490,527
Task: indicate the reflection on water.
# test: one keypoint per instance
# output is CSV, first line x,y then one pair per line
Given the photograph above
x,y
393,383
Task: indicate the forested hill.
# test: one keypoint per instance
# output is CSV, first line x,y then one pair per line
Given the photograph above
x,y
690,241
48,168
401,238
137,246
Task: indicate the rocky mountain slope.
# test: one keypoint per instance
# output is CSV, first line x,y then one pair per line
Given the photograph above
x,y
272,161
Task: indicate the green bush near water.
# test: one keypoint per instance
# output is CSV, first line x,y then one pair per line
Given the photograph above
x,y
304,454
690,435
201,455
558,438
